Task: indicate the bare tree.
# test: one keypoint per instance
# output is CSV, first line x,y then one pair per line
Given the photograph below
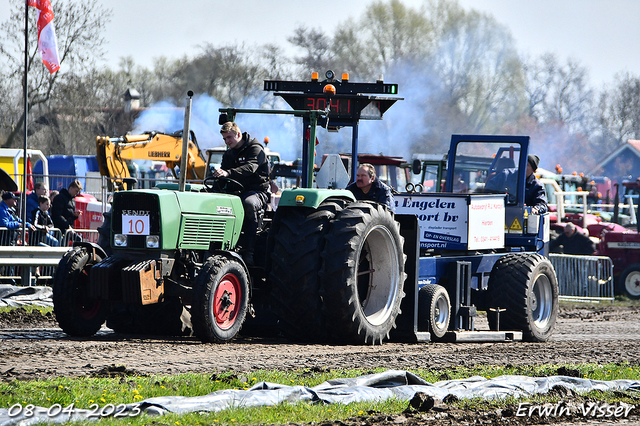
x,y
478,66
620,109
78,28
559,93
316,47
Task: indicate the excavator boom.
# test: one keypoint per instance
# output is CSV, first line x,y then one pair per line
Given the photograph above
x,y
113,154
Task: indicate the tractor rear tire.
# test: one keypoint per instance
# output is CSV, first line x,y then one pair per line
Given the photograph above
x,y
220,300
295,263
362,277
434,310
77,314
629,282
525,285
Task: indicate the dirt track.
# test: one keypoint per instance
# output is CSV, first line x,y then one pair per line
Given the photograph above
x,y
32,347
600,334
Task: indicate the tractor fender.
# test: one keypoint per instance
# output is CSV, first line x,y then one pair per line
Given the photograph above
x,y
305,197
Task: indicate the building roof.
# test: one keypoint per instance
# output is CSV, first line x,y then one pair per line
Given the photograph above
x,y
631,144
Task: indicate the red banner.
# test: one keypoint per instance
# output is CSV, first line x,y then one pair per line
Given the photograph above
x,y
47,42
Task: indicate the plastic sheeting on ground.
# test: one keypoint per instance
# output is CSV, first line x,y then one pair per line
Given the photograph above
x,y
11,295
401,385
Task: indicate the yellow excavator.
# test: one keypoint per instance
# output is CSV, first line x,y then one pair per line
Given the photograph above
x,y
113,153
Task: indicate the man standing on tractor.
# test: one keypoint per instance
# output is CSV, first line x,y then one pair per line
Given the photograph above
x,y
367,187
534,195
246,163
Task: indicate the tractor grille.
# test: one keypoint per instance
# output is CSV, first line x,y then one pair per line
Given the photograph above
x,y
199,231
125,200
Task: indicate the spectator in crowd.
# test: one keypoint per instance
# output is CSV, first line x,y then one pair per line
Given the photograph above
x,y
246,162
52,195
39,189
9,218
534,193
572,242
63,208
368,187
43,223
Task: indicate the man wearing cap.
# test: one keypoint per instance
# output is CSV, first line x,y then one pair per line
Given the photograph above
x,y
534,194
9,218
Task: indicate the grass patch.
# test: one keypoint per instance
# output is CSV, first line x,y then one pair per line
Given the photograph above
x,y
87,392
28,309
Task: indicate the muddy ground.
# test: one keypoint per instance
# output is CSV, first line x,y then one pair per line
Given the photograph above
x,y
32,347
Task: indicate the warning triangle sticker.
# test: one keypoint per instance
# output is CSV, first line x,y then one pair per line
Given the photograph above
x,y
515,226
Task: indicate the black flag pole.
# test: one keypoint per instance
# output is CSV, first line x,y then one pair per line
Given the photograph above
x,y
23,199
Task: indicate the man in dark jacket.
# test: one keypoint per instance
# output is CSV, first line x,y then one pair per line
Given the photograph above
x,y
572,242
63,207
245,162
534,194
368,187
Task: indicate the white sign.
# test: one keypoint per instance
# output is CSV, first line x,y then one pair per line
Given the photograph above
x,y
486,223
135,225
458,222
442,219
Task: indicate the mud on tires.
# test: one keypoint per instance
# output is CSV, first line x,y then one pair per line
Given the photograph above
x,y
526,286
295,263
220,300
78,315
362,277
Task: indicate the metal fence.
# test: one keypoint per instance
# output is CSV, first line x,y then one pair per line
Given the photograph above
x,y
36,266
584,277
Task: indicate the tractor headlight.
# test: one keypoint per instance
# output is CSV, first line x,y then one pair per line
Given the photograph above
x,y
153,241
120,240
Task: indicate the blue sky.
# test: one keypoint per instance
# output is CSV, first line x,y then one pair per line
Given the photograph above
x,y
601,34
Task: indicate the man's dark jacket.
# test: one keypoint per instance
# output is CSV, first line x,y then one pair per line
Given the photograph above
x,y
379,192
248,165
578,243
63,210
534,194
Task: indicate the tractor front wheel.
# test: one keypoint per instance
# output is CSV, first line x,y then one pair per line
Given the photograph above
x,y
221,298
77,313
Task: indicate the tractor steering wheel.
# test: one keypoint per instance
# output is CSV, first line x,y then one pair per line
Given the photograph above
x,y
224,185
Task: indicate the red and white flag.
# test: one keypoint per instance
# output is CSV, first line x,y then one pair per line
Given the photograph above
x,y
47,42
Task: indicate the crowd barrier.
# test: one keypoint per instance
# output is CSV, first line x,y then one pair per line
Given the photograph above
x,y
35,262
587,278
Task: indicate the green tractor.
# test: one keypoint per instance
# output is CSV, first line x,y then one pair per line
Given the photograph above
x,y
172,263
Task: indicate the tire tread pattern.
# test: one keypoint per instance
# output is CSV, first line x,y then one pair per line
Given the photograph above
x,y
339,288
509,287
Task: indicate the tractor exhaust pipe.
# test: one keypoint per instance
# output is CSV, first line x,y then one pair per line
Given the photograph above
x,y
185,142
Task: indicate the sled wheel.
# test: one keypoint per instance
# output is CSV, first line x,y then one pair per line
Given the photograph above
x,y
295,262
76,312
434,310
525,285
221,297
362,277
629,281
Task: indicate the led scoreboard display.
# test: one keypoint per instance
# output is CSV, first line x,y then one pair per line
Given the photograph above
x,y
348,102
